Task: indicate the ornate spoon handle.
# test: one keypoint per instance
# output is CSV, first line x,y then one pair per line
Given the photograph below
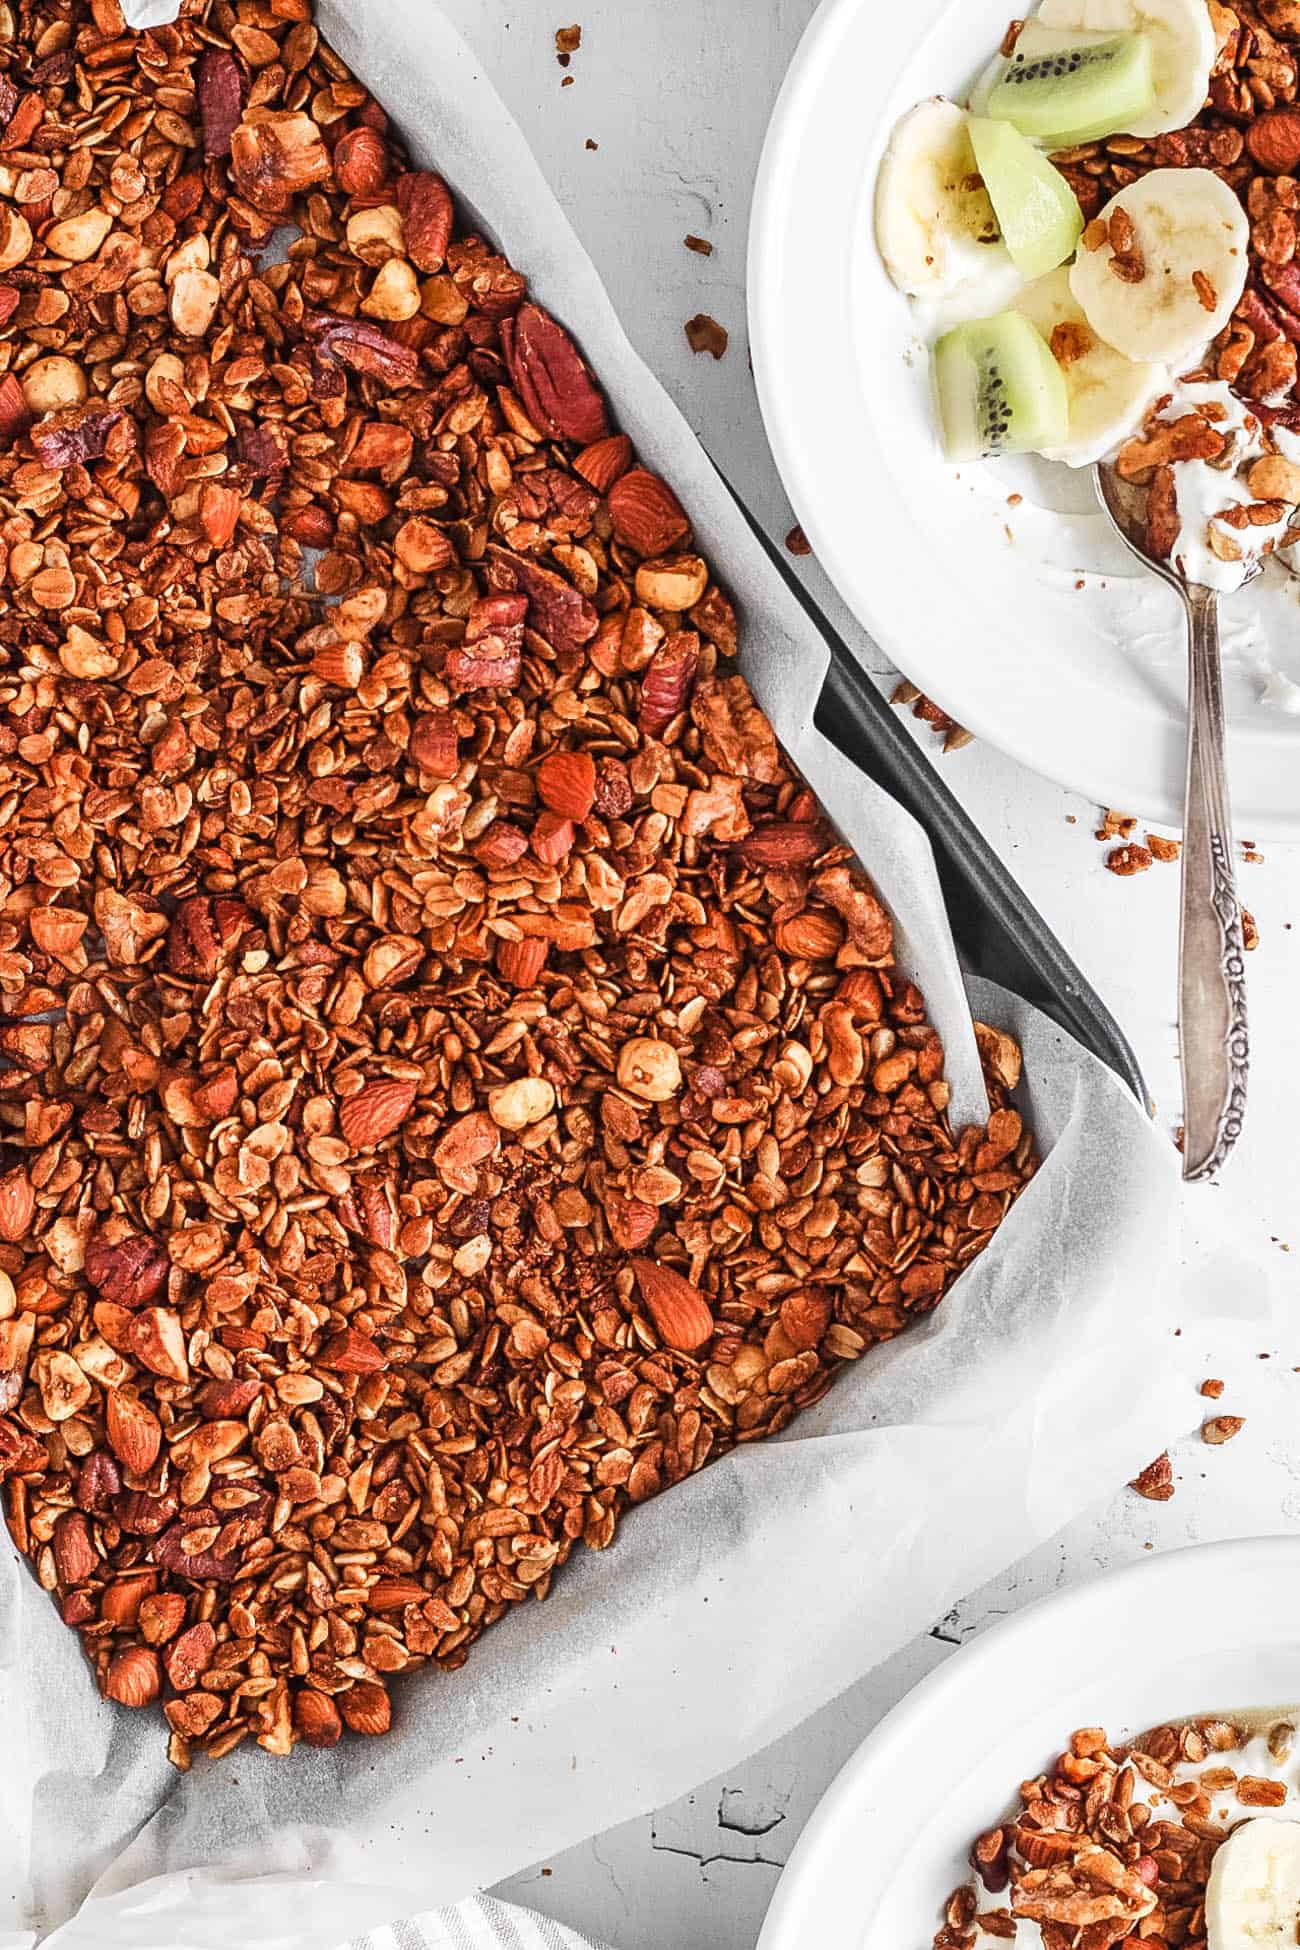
x,y
1212,974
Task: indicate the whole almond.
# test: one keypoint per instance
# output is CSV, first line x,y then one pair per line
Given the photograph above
x,y
812,935
601,464
393,1594
17,1206
75,1556
647,514
366,1707
316,1719
133,1677
781,844
122,1603
679,1310
134,1432
376,1112
566,782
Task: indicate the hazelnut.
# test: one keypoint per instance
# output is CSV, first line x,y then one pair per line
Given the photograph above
x,y
442,300
395,293
52,385
514,1106
376,235
1275,479
676,583
650,1069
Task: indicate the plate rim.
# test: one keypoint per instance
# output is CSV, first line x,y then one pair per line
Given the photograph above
x,y
768,224
788,1924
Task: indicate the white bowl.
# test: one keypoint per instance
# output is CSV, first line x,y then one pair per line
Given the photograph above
x,y
1086,685
1214,1629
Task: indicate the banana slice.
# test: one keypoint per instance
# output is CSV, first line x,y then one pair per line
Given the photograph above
x,y
1181,269
1108,394
1183,48
1253,1898
934,223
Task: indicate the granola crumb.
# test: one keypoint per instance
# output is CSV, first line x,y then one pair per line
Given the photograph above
x,y
700,245
567,81
1212,1390
1249,931
798,544
706,335
567,42
589,144
1221,1429
1163,849
1128,860
1116,825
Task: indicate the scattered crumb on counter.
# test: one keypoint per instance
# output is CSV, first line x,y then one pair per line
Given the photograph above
x,y
797,542
1156,1482
706,335
700,245
1128,860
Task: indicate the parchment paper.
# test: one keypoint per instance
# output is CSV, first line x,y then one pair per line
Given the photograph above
x,y
733,1606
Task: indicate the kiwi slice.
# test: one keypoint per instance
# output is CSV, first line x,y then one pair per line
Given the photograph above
x,y
1000,390
1061,88
1037,211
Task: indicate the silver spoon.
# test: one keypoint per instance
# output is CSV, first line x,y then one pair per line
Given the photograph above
x,y
1213,1037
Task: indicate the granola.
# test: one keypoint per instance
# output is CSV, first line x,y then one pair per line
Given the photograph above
x,y
1115,1844
456,1082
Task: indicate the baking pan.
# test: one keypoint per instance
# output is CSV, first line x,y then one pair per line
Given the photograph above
x,y
998,931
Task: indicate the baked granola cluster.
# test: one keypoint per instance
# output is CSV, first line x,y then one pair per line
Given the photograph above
x,y
1249,135
457,1083
1115,1844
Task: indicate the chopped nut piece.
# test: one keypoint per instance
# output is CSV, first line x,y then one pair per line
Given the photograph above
x,y
1221,1429
706,335
1126,860
1156,1481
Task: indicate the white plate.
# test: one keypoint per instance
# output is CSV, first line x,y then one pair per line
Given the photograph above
x,y
1214,1629
1084,685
